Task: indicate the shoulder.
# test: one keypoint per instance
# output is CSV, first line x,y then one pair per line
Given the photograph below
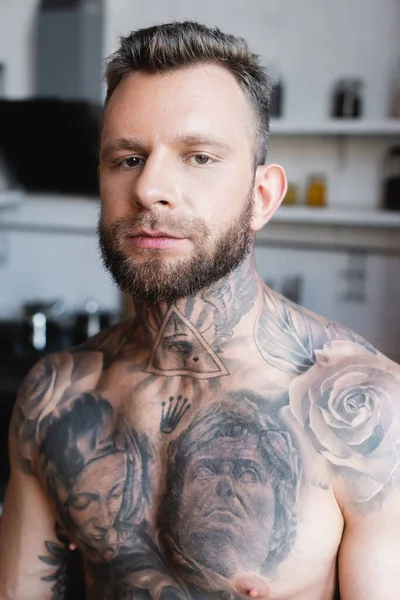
x,y
48,380
55,381
110,341
37,398
348,404
344,398
288,336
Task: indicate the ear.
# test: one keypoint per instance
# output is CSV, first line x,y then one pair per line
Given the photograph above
x,y
270,187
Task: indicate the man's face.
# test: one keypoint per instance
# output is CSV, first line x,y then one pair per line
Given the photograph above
x,y
177,162
227,506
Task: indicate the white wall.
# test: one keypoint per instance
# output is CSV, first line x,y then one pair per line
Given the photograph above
x,y
48,251
17,22
51,266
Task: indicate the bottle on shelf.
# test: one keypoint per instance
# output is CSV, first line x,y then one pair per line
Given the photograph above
x,y
396,100
316,191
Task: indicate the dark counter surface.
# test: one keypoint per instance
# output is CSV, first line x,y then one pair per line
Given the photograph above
x,y
12,374
16,359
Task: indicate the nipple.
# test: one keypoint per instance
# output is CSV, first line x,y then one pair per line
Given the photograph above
x,y
252,586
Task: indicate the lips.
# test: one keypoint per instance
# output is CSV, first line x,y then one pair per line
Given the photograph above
x,y
156,240
155,234
231,512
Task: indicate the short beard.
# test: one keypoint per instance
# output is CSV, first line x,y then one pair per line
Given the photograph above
x,y
152,279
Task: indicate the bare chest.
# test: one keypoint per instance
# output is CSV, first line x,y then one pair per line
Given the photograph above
x,y
196,494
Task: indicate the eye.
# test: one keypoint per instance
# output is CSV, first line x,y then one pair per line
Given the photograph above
x,y
201,160
130,162
203,473
248,475
184,348
82,501
117,491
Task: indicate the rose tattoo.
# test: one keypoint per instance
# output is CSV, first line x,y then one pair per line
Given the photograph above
x,y
346,403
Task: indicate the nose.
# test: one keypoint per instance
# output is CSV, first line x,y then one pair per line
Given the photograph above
x,y
157,185
104,514
224,488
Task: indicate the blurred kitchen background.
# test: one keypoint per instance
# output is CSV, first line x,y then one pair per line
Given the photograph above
x,y
334,246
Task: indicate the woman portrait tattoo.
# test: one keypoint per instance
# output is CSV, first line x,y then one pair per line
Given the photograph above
x,y
96,470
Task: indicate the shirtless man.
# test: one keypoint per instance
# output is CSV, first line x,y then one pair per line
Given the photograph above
x,y
224,443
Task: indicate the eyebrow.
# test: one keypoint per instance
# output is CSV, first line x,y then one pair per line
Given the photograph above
x,y
186,139
119,144
193,139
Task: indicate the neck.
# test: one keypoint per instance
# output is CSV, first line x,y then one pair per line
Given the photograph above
x,y
217,314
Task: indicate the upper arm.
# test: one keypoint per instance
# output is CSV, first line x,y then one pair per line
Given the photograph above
x,y
32,555
369,556
32,559
348,403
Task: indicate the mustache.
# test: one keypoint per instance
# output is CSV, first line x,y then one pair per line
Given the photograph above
x,y
183,226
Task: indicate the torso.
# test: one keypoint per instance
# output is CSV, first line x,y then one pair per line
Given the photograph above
x,y
183,473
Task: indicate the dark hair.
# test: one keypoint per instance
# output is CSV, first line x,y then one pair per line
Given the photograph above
x,y
172,46
85,419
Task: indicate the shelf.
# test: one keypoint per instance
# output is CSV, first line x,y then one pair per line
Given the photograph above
x,y
333,230
334,127
9,199
336,216
53,212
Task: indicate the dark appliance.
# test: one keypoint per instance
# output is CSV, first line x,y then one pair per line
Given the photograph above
x,y
51,145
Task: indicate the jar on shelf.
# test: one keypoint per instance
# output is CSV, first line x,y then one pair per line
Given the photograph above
x,y
347,99
391,185
277,92
316,190
292,195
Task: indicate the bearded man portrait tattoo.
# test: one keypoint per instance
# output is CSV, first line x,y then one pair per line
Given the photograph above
x,y
230,499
